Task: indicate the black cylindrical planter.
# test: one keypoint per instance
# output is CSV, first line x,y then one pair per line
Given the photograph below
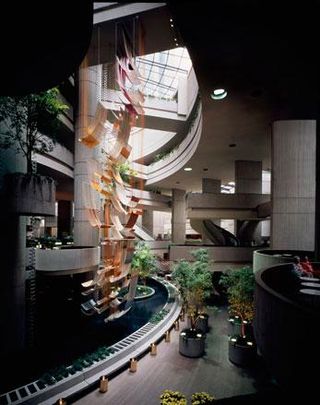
x,y
192,342
240,352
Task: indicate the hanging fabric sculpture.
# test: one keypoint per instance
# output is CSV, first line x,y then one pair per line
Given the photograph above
x,y
120,208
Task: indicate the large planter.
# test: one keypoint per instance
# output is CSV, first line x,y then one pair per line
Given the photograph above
x,y
235,327
242,351
30,194
192,342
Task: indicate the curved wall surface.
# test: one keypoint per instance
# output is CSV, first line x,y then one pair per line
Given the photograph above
x,y
67,261
286,332
267,257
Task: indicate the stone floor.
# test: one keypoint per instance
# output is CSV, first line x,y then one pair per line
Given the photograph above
x,y
213,373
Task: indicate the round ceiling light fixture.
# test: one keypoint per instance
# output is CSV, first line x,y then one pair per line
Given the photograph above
x,y
218,94
187,169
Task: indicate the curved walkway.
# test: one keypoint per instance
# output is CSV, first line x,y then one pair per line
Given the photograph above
x,y
169,370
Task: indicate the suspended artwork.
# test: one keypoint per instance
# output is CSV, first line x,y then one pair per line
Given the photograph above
x,y
110,203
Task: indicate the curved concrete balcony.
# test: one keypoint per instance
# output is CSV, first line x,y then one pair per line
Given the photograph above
x,y
179,157
231,206
265,258
67,260
59,159
286,330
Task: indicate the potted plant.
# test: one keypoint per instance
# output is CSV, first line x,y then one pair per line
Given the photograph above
x,y
28,120
29,125
194,281
143,261
239,285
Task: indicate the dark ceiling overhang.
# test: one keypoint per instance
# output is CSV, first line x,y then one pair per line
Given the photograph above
x,y
42,43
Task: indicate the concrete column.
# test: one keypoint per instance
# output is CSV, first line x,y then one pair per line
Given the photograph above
x,y
248,176
89,83
13,250
211,186
64,217
248,179
147,221
178,216
293,184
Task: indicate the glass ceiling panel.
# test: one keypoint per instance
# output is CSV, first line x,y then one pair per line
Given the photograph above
x,y
160,72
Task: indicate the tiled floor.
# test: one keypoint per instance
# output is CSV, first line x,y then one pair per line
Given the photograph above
x,y
212,373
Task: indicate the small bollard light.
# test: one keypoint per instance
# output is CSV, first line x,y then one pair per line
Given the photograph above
x,y
133,365
176,325
103,387
167,336
61,401
153,349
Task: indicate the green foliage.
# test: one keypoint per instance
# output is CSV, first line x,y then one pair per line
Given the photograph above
x,y
162,155
201,398
143,261
26,119
143,290
240,290
194,280
156,318
125,171
169,397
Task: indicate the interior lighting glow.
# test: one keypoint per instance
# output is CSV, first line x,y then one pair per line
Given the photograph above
x,y
250,343
218,94
183,333
187,169
233,340
199,335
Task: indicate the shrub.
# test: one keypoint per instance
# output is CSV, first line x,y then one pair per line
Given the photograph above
x,y
201,398
169,397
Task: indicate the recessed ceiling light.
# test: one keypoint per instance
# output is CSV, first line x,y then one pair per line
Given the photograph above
x,y
187,169
171,20
171,25
232,145
218,94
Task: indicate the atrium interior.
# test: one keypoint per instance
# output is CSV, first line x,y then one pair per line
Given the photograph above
x,y
159,188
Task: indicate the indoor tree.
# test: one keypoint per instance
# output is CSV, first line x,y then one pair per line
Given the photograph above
x,y
240,291
143,261
195,283
26,120
240,288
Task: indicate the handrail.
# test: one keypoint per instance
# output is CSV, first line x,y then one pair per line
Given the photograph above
x,y
133,345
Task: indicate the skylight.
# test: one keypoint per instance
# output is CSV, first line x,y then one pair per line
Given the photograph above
x,y
160,72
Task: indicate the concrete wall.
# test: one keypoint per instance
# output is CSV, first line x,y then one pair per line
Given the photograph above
x,y
216,253
67,261
265,258
225,201
293,184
